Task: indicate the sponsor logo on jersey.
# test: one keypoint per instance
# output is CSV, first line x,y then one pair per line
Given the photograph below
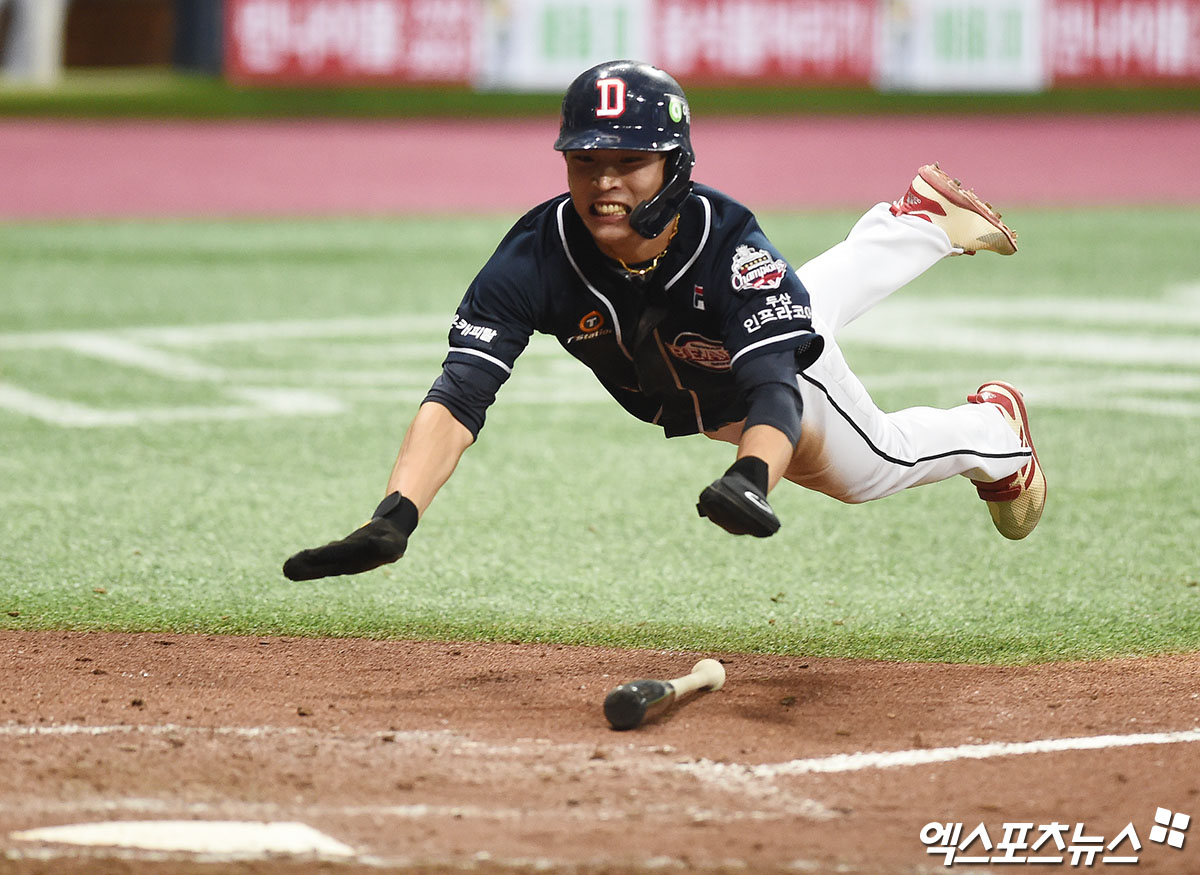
x,y
756,270
698,350
591,326
466,329
698,298
593,321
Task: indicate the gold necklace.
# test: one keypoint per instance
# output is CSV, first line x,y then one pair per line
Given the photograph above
x,y
642,271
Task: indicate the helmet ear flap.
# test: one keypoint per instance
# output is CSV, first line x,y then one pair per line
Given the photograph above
x,y
651,217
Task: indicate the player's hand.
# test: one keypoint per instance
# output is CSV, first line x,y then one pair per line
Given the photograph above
x,y
380,541
738,501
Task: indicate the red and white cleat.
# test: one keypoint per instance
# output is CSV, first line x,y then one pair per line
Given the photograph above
x,y
1017,501
970,223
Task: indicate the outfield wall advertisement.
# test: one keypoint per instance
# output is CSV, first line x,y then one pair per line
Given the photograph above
x,y
1124,40
912,45
766,40
332,41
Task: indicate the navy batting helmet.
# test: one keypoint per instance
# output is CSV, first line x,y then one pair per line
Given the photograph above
x,y
632,105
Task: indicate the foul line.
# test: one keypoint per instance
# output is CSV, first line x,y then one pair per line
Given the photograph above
x,y
857,762
836,763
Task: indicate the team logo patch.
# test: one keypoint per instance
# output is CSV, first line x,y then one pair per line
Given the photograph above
x,y
591,322
698,350
612,97
756,270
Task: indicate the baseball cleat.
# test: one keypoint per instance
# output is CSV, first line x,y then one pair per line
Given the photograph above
x,y
1015,502
970,223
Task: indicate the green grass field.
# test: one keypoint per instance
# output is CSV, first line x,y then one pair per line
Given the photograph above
x,y
184,404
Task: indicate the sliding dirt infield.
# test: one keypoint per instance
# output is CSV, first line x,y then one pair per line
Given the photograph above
x,y
440,757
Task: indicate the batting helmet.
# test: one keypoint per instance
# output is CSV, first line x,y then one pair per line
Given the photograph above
x,y
632,105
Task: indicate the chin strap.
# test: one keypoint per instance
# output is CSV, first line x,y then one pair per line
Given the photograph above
x,y
651,217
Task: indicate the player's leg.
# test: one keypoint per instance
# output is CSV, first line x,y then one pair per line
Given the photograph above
x,y
853,451
892,244
881,254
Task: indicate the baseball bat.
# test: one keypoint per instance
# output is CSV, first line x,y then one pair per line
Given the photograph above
x,y
629,705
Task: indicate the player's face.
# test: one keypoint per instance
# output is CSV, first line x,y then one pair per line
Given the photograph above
x,y
605,186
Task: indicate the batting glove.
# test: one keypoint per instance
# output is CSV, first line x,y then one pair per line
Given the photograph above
x,y
738,501
380,541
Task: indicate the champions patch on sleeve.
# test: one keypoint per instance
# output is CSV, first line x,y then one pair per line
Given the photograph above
x,y
756,270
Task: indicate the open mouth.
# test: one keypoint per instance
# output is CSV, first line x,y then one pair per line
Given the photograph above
x,y
609,209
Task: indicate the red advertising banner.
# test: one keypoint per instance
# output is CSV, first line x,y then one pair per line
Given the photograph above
x,y
327,41
1123,41
792,41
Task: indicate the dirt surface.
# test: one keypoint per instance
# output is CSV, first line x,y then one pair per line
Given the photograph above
x,y
430,757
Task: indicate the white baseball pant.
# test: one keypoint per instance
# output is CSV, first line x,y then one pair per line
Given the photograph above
x,y
850,449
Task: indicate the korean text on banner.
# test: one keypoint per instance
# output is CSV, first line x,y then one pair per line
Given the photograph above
x,y
769,41
1123,41
327,41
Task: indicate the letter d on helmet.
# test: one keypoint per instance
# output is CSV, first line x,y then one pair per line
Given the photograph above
x,y
632,105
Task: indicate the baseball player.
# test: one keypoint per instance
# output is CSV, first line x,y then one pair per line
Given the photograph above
x,y
670,292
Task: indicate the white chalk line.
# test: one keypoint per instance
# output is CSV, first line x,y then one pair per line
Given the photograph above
x,y
835,763
674,810
409,349
729,776
857,762
22,730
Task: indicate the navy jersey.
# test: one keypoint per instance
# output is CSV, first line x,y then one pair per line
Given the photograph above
x,y
669,346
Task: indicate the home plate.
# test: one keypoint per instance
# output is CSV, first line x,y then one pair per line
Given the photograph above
x,y
222,837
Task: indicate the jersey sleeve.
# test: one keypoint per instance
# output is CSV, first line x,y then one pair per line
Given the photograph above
x,y
492,324
765,306
489,331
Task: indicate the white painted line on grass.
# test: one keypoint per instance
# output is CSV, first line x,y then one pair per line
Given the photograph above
x,y
1095,347
259,402
236,332
231,838
857,762
110,348
1179,306
1141,346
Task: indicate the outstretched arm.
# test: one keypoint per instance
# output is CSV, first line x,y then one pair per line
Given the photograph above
x,y
772,446
737,501
434,443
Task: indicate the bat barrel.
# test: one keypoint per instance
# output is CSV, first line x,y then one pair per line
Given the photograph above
x,y
629,704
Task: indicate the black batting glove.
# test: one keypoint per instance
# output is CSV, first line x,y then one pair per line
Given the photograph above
x,y
738,501
380,541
